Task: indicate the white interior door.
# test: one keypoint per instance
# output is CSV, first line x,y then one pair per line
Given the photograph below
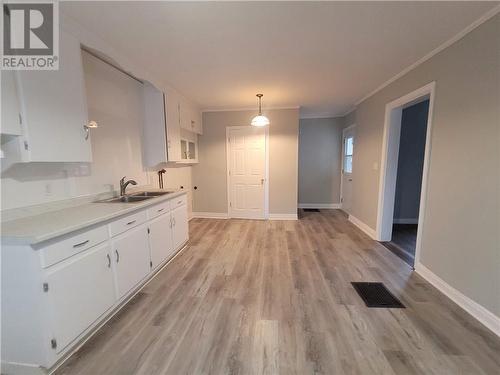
x,y
247,172
347,157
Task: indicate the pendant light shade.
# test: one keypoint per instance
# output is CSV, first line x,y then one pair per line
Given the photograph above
x,y
260,119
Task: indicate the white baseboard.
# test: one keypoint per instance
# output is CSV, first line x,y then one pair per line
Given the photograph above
x,y
283,217
333,206
210,215
406,221
486,317
365,228
21,369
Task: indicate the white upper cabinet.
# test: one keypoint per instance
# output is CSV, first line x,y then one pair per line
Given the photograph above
x,y
190,117
167,118
196,121
161,127
155,136
11,110
54,109
173,127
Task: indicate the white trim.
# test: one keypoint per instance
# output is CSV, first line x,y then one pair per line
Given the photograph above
x,y
247,109
228,181
406,221
332,206
210,215
390,150
15,368
485,17
283,217
364,227
484,316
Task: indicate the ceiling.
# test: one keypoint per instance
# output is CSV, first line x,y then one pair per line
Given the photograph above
x,y
321,56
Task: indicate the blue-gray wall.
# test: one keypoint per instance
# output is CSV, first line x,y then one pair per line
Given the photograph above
x,y
411,161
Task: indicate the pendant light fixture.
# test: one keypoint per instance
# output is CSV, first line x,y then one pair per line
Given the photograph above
x,y
260,119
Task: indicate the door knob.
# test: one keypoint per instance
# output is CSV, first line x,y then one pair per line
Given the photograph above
x,y
262,181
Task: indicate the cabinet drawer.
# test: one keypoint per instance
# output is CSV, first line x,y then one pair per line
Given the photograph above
x,y
159,209
70,246
179,201
127,222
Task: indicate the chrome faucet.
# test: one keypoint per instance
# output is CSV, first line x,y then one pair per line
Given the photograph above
x,y
124,184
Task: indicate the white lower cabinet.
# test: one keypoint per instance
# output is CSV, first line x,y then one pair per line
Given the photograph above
x,y
130,258
180,230
79,291
55,294
160,239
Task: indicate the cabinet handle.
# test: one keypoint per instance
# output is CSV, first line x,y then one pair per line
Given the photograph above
x,y
160,210
131,222
117,256
170,222
179,202
81,243
109,260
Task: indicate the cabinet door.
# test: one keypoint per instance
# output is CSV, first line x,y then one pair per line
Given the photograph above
x,y
80,290
130,253
55,110
154,127
173,127
160,239
185,115
179,226
198,126
11,111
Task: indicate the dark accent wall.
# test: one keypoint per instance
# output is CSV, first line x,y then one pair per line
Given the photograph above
x,y
411,161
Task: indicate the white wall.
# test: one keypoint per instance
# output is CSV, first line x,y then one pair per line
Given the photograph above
x,y
115,102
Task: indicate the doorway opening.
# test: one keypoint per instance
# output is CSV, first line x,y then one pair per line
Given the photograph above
x,y
403,182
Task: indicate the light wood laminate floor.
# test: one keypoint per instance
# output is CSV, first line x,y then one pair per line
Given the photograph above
x,y
274,297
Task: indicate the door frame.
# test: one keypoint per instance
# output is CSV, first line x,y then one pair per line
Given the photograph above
x,y
266,175
389,163
352,126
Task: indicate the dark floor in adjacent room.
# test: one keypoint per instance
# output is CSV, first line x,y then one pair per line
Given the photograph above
x,y
404,237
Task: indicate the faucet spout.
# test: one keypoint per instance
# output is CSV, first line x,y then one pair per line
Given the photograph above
x,y
124,184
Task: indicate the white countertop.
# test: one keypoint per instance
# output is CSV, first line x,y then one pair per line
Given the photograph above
x,y
32,230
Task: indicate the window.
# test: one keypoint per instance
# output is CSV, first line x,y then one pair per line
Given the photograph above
x,y
348,150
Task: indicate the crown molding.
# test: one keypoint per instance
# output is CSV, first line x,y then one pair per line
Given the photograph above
x,y
247,109
485,17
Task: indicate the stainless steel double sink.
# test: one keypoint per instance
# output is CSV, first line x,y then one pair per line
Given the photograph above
x,y
136,197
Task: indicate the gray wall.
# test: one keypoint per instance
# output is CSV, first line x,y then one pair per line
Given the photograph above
x,y
320,153
460,239
210,174
411,161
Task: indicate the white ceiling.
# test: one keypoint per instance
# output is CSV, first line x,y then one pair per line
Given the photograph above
x,y
321,56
